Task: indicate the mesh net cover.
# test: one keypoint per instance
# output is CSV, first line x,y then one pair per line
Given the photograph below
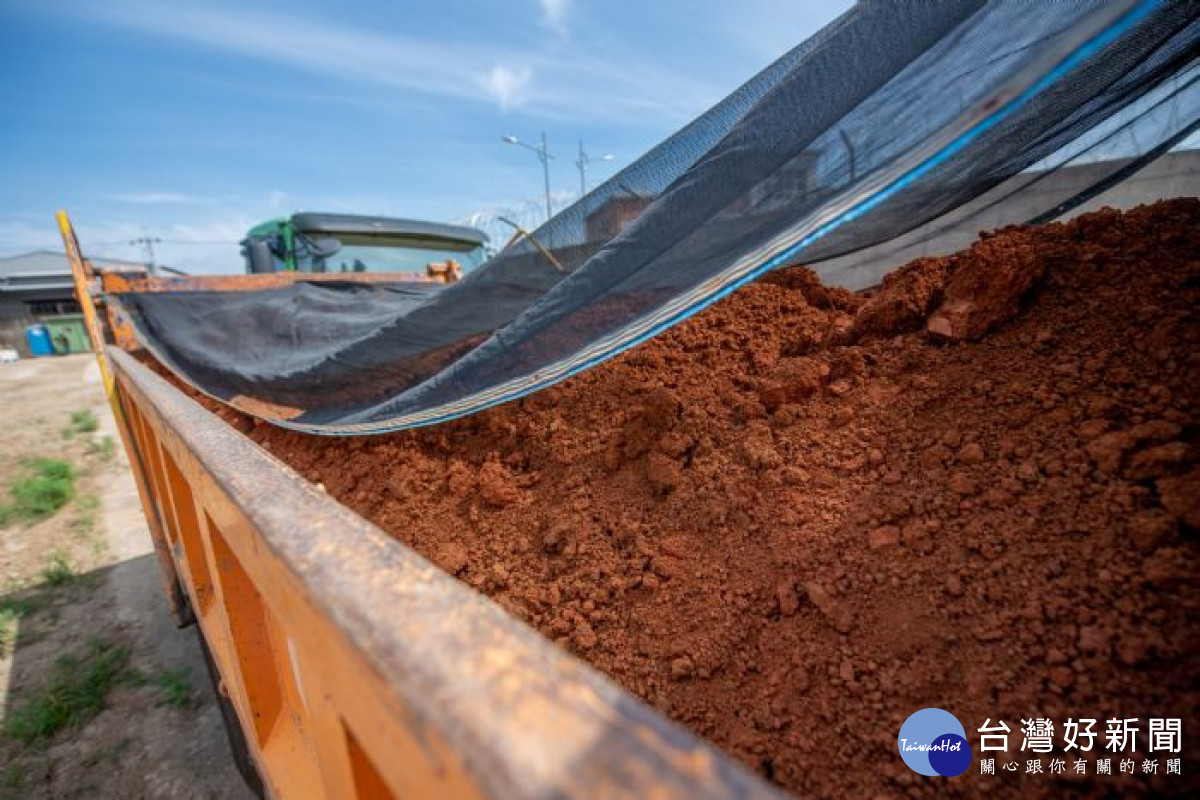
x,y
895,124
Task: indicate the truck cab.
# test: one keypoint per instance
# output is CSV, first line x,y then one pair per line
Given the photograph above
x,y
350,243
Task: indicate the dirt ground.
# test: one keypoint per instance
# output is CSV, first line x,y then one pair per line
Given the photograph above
x,y
796,519
159,734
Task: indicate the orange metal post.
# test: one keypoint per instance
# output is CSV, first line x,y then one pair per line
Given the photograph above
x,y
82,274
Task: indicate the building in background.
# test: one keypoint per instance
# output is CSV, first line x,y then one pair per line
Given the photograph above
x,y
37,288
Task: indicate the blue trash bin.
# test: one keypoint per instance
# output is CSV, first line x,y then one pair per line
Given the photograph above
x,y
38,337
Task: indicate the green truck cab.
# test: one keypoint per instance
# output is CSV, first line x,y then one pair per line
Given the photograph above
x,y
348,243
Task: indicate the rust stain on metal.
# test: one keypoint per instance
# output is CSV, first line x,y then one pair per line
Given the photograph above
x,y
122,283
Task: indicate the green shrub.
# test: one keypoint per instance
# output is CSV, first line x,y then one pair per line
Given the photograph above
x,y
102,447
8,628
44,486
59,572
84,421
86,507
12,778
74,693
175,685
11,610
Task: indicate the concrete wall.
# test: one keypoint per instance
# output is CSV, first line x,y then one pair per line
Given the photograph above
x,y
1173,175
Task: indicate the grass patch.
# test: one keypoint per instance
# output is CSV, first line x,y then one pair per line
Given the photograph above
x,y
74,693
20,598
59,572
20,606
12,779
102,447
82,421
86,509
12,609
8,629
43,487
175,686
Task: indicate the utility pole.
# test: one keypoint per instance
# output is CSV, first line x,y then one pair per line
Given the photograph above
x,y
582,163
543,154
148,242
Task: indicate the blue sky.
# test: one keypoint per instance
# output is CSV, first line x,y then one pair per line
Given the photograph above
x,y
190,121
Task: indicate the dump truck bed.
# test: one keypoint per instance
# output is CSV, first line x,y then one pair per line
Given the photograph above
x,y
358,669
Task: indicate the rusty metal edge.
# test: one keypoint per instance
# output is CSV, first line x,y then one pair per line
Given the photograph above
x,y
526,718
119,282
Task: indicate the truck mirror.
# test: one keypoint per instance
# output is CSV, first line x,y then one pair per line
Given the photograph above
x,y
259,255
325,246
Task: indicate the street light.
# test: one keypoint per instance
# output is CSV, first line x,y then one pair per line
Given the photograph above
x,y
544,156
582,162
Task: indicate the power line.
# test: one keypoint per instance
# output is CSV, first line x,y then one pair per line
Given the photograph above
x,y
149,242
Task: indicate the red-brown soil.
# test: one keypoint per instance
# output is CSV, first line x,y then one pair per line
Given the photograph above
x,y
788,526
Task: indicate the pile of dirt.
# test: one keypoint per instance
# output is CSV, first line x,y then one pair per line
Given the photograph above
x,y
804,514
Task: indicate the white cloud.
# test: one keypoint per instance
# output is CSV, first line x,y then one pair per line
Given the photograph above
x,y
21,236
554,13
575,85
509,86
315,46
156,198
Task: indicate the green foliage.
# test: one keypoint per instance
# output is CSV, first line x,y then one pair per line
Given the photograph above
x,y
84,421
12,609
102,447
74,693
59,572
8,628
19,606
12,779
44,486
86,508
175,685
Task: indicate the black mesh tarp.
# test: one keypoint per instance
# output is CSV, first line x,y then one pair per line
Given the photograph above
x,y
895,119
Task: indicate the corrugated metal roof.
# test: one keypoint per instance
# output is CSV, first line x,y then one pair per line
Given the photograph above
x,y
43,270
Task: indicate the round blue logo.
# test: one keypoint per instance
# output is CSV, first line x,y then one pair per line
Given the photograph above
x,y
933,742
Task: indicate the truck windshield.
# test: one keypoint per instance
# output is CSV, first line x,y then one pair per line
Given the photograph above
x,y
381,254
